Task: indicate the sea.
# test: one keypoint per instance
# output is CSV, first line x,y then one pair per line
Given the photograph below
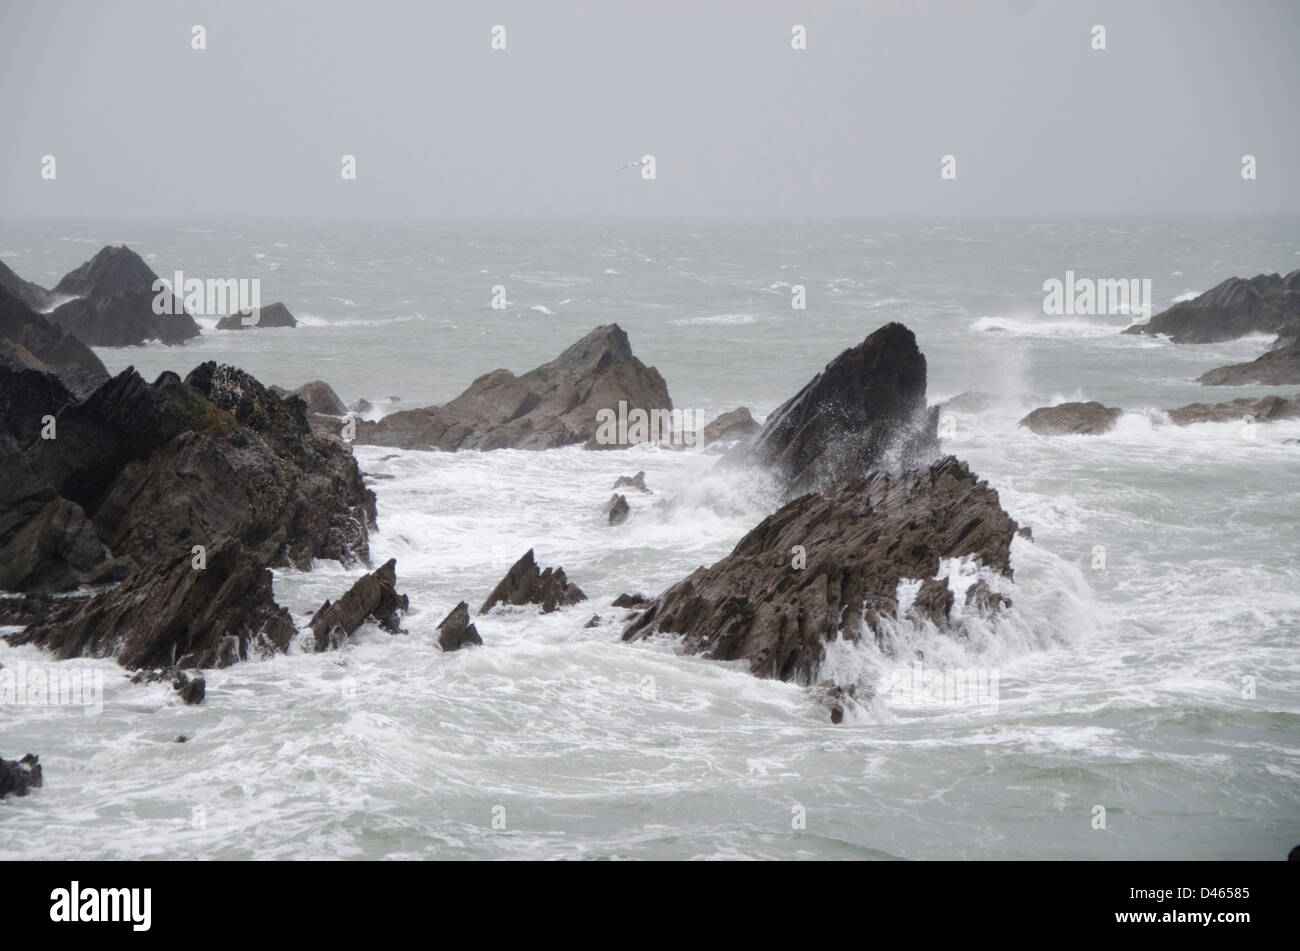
x,y
1143,692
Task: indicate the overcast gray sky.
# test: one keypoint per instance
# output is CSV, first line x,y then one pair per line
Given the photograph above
x,y
739,123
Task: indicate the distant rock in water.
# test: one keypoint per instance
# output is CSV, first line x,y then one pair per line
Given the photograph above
x,y
554,405
860,539
319,397
1072,419
1264,410
455,631
33,295
1237,307
32,341
865,411
734,425
114,305
525,583
1277,367
17,777
272,315
373,596
632,482
618,509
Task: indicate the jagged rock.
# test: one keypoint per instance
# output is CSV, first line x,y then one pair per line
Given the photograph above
x,y
1264,410
861,538
56,550
631,601
455,631
31,341
272,315
192,689
1082,419
111,270
594,622
984,600
866,410
372,596
551,406
1277,367
115,303
934,601
33,295
1265,303
618,509
633,482
173,615
525,583
18,776
734,425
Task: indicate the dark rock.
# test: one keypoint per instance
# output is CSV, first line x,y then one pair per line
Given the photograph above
x,y
984,600
1066,419
33,342
734,425
272,315
835,699
632,601
192,690
125,319
455,631
173,615
861,537
1263,304
633,482
1278,367
594,622
618,509
865,411
525,583
111,270
33,295
18,776
1264,410
181,739
934,601
551,406
373,596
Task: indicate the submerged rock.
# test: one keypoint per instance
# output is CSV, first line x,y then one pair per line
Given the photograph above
x,y
455,630
632,482
526,583
860,538
1264,410
1072,419
1265,303
554,405
866,410
372,596
19,776
272,315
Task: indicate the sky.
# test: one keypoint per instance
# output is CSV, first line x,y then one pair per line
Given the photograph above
x,y
740,124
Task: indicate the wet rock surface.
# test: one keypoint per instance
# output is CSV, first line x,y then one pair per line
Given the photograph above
x,y
1072,419
374,596
1266,303
18,777
526,583
455,630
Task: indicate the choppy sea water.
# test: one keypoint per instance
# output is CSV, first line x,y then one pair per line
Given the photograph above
x,y
1161,590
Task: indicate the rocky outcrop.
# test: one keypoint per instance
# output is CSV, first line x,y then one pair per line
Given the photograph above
x,y
1277,367
174,614
1264,410
455,631
29,340
373,596
734,425
632,482
554,405
272,315
114,305
617,509
860,539
1072,419
33,295
526,583
190,688
864,412
17,777
1237,307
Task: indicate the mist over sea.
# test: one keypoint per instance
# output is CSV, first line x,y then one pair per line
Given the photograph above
x,y
1121,685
